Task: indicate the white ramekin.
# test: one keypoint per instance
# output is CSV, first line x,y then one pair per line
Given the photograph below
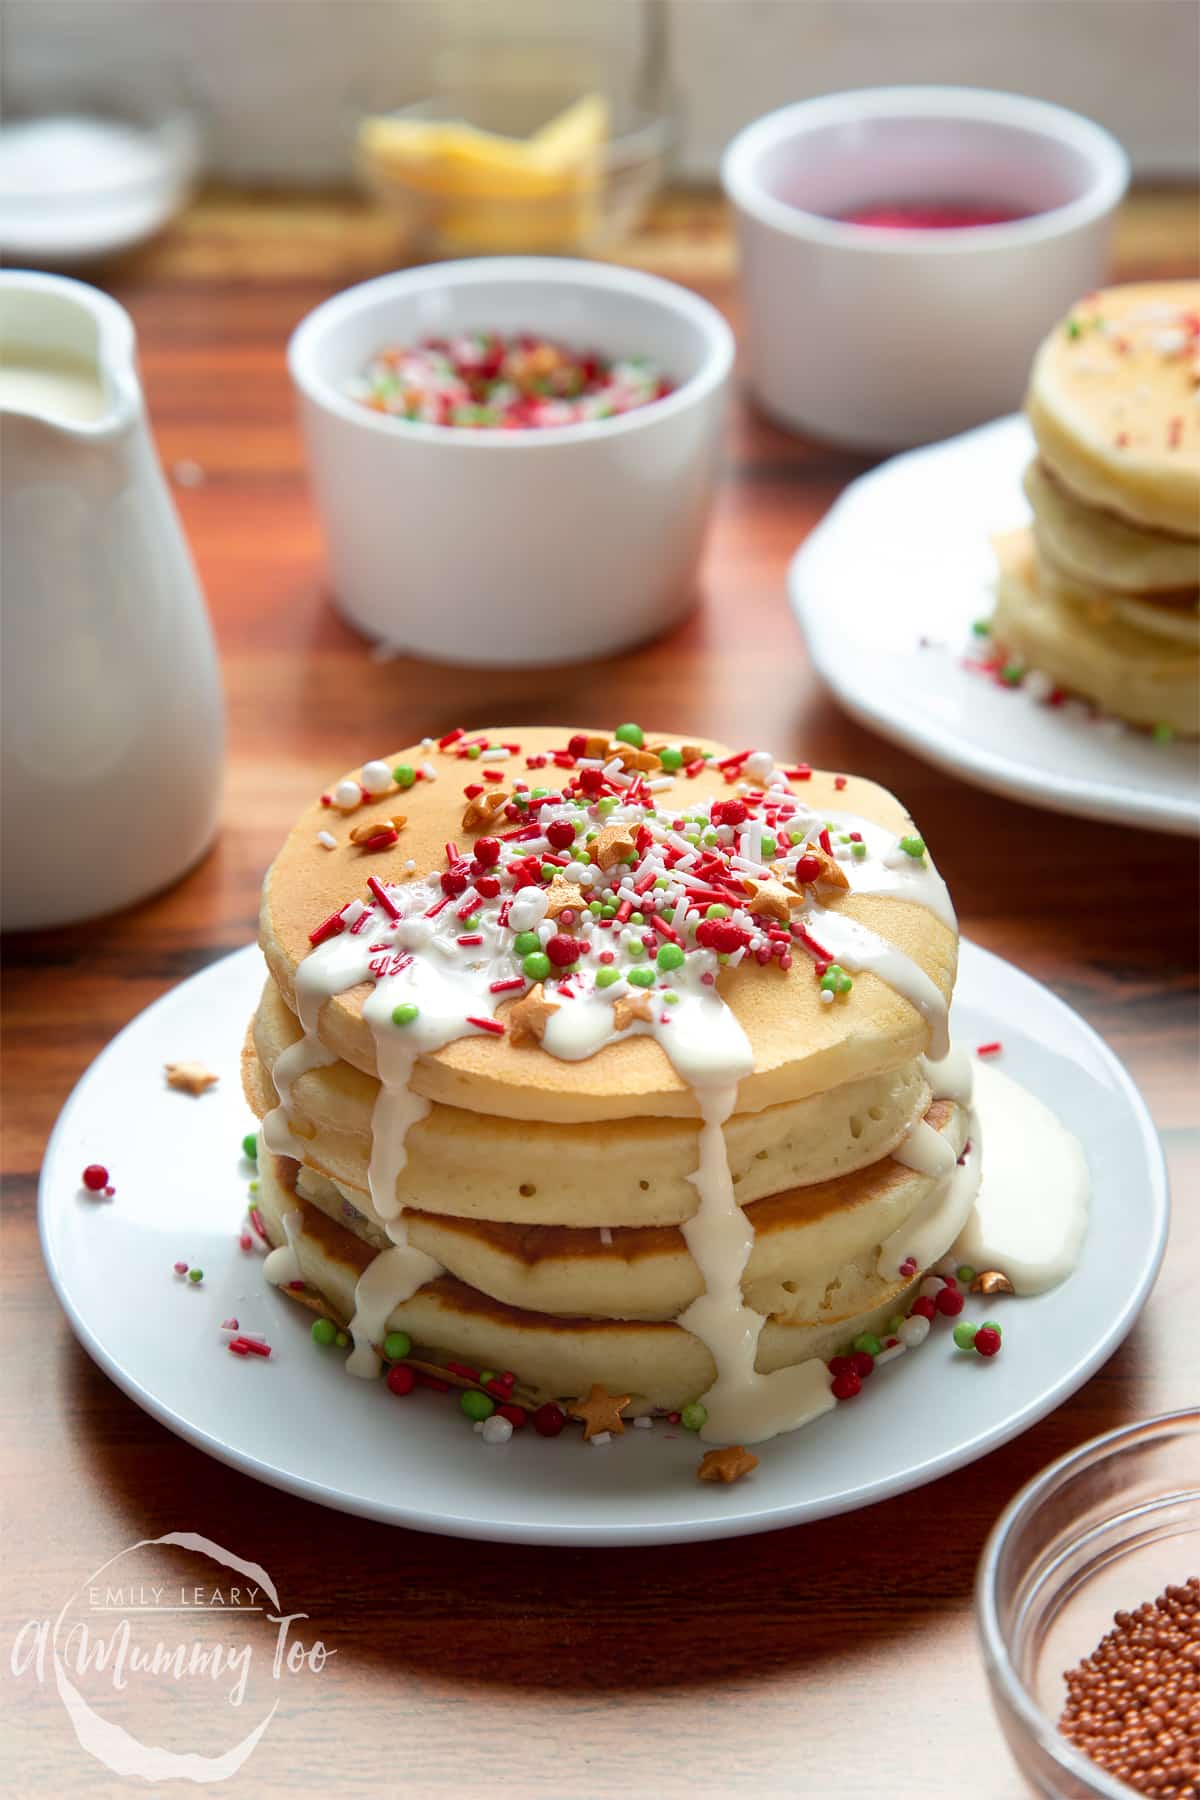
x,y
884,339
514,548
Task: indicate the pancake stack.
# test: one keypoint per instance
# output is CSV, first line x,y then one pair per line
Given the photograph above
x,y
610,1059
1102,593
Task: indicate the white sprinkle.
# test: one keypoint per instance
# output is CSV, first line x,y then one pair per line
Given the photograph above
x,y
347,795
354,912
327,839
376,777
494,753
659,783
826,997
495,1430
591,762
410,865
737,956
760,764
914,1331
605,1235
892,1352
427,743
643,1422
582,874
601,1437
931,1287
1038,686
428,771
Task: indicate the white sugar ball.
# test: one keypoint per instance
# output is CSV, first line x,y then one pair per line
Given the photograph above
x,y
528,908
496,1430
931,1287
914,1331
760,764
347,795
377,777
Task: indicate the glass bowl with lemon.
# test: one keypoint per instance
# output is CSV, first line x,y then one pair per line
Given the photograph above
x,y
522,149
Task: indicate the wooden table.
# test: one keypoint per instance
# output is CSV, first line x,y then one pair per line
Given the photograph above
x,y
833,1660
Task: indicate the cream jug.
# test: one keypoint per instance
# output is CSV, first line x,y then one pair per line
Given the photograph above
x,y
112,725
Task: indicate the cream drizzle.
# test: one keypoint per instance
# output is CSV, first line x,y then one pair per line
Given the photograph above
x,y
282,1265
928,1235
701,1037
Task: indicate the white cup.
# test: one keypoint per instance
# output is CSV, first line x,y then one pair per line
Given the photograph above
x,y
514,548
880,338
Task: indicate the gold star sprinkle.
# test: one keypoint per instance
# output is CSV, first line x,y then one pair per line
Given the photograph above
x,y
772,900
991,1281
628,1007
190,1077
726,1465
563,896
527,1020
601,1411
482,810
613,845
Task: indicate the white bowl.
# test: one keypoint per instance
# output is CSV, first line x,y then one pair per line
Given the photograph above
x,y
505,548
883,339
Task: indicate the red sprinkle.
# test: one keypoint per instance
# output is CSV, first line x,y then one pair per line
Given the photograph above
x,y
95,1177
506,986
846,1385
451,737
987,1341
401,1379
492,1025
924,1307
248,1346
989,1049
330,927
824,842
384,899
949,1302
516,1415
549,1420
839,782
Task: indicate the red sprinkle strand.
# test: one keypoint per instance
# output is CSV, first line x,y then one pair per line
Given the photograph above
x,y
989,1049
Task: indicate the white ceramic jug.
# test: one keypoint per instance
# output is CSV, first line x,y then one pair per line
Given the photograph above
x,y
112,725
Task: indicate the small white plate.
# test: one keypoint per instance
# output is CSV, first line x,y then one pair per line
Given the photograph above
x,y
886,590
299,1422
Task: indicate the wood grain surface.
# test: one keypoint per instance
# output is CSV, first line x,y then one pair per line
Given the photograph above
x,y
833,1660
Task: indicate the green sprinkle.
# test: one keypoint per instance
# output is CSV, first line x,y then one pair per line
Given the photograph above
x,y
476,1406
250,1146
964,1334
858,851
196,1275
671,758
404,775
716,911
486,1375
606,805
525,942
405,1013
795,838
1073,328
913,846
867,1342
606,976
1012,674
671,997
637,918
894,1323
630,734
474,752
342,1339
635,946
471,922
595,908
965,1273
1163,734
537,966
608,910
692,1417
324,1331
835,980
768,846
641,977
397,1345
982,627
991,1325
539,793
253,1187
670,956
521,800
549,871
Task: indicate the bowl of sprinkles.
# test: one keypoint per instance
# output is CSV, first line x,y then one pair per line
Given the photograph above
x,y
513,458
1088,1608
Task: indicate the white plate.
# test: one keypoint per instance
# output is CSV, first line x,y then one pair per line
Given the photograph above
x,y
299,1422
886,590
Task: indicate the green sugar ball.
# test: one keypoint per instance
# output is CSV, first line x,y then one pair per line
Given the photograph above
x,y
630,734
670,758
670,956
964,1334
403,775
526,942
965,1274
196,1275
342,1339
716,911
397,1345
405,1013
868,1342
324,1331
476,1406
641,977
606,976
537,966
250,1146
913,846
692,1417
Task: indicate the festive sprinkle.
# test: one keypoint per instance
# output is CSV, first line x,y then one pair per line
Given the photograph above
x,y
323,1331
250,1146
180,1268
195,1276
397,1345
95,1178
726,1465
964,1334
401,1380
496,1430
405,1013
913,846
693,1416
190,1077
992,1049
476,1405
987,1340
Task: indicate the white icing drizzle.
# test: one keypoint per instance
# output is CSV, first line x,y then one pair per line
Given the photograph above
x,y
1031,1215
928,1235
415,960
282,1265
953,1078
925,1150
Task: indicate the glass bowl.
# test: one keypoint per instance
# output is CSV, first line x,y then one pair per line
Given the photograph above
x,y
472,208
1104,1529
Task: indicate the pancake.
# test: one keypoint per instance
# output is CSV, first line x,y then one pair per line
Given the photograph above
x,y
1112,404
804,1240
1102,552
662,1365
799,1046
612,1172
